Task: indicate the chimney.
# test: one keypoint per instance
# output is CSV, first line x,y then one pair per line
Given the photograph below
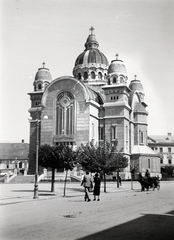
x,y
22,140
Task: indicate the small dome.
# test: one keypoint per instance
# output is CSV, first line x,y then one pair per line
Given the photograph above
x,y
117,67
136,85
42,79
43,74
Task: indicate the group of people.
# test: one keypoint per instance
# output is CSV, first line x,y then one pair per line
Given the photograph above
x,y
87,183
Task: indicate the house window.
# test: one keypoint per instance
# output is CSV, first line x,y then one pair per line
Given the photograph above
x,y
169,150
65,114
161,150
170,161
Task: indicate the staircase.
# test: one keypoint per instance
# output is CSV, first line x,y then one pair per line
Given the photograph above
x,y
23,179
75,178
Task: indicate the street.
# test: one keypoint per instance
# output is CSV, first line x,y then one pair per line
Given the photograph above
x,y
121,214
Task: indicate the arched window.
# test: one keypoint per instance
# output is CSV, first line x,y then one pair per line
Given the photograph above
x,y
39,86
93,75
121,80
79,76
141,136
114,80
85,75
65,114
114,132
101,132
99,75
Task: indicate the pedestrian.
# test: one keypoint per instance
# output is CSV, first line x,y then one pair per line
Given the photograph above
x,y
82,176
147,174
87,184
97,182
119,179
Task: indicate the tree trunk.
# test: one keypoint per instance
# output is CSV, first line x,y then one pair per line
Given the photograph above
x,y
131,181
52,179
64,194
117,179
104,177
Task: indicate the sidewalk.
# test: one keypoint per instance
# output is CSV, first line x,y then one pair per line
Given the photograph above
x,y
11,193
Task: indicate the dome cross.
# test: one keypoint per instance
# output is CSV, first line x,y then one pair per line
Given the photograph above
x,y
92,30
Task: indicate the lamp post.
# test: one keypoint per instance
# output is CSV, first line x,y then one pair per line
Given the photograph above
x,y
36,195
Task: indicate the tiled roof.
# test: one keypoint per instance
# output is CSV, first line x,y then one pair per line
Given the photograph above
x,y
14,150
161,139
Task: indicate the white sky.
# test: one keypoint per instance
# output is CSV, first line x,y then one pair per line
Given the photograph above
x,y
55,31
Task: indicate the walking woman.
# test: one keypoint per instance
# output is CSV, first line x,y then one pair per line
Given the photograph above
x,y
97,182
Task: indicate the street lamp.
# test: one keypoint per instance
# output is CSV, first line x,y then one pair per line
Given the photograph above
x,y
36,195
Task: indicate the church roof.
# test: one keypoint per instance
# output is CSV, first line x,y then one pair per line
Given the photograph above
x,y
14,150
142,150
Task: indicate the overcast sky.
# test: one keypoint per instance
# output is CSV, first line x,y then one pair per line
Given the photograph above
x,y
55,31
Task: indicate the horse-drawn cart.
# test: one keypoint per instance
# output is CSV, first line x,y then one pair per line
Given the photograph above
x,y
149,183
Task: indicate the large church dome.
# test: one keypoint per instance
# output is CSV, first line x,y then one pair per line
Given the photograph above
x,y
91,65
91,56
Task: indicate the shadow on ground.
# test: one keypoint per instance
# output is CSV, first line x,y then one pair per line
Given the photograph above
x,y
149,226
30,190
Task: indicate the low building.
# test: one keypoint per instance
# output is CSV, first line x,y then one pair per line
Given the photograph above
x,y
14,158
164,146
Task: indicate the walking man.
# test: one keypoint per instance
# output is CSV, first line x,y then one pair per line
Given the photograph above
x,y
87,184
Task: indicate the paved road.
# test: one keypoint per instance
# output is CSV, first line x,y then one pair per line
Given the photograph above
x,y
121,214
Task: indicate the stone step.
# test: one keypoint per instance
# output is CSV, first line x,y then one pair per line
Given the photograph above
x,y
23,179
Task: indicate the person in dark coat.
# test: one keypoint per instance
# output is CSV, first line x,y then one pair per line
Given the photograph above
x,y
97,182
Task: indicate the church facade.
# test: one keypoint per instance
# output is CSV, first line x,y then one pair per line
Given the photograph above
x,y
94,104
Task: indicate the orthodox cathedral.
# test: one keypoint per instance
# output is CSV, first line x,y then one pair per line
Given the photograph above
x,y
94,104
